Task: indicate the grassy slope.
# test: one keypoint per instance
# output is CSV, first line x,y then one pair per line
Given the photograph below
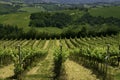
x,y
22,20
50,7
19,19
32,9
3,2
7,8
106,12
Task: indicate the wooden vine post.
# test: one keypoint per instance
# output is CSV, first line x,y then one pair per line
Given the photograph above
x,y
19,53
106,61
119,57
31,46
18,67
60,47
1,59
4,47
20,58
119,52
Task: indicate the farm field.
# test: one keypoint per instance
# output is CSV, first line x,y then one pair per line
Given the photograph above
x,y
58,43
106,12
18,19
32,9
45,55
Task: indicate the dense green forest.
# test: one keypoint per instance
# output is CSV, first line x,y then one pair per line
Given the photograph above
x,y
44,19
60,20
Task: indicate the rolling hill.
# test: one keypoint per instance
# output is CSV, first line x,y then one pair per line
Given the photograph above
x,y
106,12
65,1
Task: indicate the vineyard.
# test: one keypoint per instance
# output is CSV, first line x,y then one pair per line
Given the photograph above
x,y
93,58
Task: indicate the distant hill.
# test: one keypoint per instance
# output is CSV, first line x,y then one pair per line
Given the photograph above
x,y
63,1
5,2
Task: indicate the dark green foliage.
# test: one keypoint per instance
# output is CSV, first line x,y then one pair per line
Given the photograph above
x,y
32,33
68,33
75,7
83,32
13,32
57,66
18,72
62,20
5,59
60,55
10,32
44,19
89,19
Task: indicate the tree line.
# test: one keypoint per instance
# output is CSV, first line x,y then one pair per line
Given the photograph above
x,y
92,20
13,32
60,20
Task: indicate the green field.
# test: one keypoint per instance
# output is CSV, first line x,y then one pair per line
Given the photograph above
x,y
18,19
32,9
106,12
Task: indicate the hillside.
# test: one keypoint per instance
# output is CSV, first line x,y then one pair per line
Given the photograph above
x,y
6,8
106,12
47,40
83,21
23,21
66,1
5,2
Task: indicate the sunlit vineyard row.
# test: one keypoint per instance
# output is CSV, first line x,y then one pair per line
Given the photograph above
x,y
90,51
